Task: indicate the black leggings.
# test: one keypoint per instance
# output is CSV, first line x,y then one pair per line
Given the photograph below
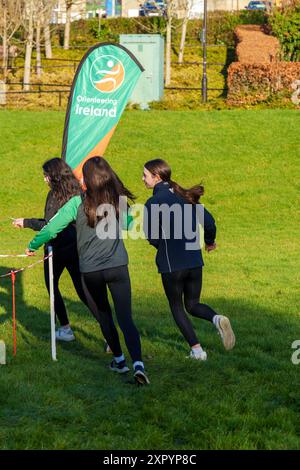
x,y
186,284
118,282
67,258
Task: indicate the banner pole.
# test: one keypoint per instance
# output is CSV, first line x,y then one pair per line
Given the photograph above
x,y
52,310
13,279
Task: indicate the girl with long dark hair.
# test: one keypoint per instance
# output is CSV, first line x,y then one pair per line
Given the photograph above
x,y
63,186
103,258
171,224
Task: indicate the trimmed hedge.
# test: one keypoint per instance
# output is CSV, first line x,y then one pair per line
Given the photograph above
x,y
253,45
220,29
259,75
253,83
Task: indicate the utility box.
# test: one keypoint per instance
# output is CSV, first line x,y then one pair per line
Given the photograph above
x,y
149,51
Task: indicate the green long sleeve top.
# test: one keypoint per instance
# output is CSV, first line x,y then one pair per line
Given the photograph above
x,y
96,251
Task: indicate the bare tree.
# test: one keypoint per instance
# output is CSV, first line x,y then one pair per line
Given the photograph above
x,y
47,36
170,12
69,4
186,6
42,17
37,14
45,20
38,47
29,27
10,21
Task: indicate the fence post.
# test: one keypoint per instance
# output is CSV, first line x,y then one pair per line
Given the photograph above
x,y
59,99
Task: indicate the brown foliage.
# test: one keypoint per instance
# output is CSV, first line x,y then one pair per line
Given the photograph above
x,y
253,45
259,74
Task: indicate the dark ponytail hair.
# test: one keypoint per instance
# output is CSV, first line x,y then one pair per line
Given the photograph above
x,y
160,168
62,181
103,186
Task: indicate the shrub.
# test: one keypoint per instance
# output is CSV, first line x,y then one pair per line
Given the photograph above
x,y
253,83
253,45
285,24
220,27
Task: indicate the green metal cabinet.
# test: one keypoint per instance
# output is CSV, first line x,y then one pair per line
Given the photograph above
x,y
149,50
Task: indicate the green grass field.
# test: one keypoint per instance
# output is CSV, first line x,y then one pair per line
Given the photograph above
x,y
247,398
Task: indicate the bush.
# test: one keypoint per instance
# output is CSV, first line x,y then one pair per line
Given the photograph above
x,y
285,24
220,27
253,83
253,45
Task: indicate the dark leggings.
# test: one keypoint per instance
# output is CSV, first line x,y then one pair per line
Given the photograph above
x,y
186,284
118,282
67,258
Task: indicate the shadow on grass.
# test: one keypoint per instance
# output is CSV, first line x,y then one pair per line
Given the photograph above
x,y
266,331
248,394
255,327
37,322
230,57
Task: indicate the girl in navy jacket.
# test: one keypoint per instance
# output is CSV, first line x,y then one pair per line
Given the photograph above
x,y
172,220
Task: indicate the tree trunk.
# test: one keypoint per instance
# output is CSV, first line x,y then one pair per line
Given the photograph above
x,y
67,25
4,44
48,47
28,52
182,41
38,49
168,51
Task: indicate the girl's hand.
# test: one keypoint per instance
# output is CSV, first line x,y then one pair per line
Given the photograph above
x,y
19,223
29,253
209,248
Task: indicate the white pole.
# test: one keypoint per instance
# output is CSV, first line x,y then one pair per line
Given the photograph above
x,y
52,311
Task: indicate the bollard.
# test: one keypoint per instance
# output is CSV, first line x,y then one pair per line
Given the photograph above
x,y
2,92
2,353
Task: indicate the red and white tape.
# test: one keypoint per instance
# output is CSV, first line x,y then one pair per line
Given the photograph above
x,y
22,269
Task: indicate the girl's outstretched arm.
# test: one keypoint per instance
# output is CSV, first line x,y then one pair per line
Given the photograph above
x,y
66,215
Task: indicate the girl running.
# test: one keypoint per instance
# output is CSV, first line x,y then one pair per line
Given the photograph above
x,y
63,186
103,259
171,224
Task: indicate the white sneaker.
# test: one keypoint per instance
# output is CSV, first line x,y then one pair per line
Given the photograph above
x,y
224,328
64,334
202,356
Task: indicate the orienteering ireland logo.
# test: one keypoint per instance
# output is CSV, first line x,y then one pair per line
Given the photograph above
x,y
107,73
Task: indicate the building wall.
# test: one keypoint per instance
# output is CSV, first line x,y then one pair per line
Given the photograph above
x,y
212,5
78,11
130,5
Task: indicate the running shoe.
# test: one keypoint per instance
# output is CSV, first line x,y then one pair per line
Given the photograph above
x,y
226,332
199,357
119,367
64,334
140,376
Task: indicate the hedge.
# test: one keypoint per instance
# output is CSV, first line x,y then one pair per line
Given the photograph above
x,y
253,83
259,75
285,24
221,25
253,45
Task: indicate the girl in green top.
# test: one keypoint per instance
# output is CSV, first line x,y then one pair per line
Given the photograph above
x,y
103,259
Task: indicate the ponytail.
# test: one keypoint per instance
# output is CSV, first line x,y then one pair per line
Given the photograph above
x,y
160,168
191,195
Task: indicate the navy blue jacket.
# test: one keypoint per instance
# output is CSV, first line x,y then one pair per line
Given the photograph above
x,y
176,232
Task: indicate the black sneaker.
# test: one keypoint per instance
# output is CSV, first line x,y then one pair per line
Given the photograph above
x,y
140,376
119,367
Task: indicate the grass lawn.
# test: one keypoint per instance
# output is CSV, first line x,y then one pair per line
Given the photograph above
x,y
247,398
